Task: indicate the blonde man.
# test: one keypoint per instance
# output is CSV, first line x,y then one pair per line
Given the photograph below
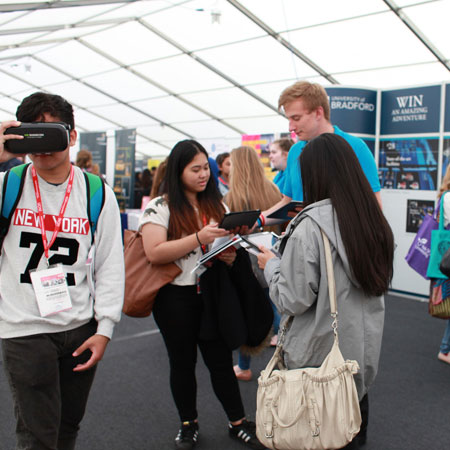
x,y
307,109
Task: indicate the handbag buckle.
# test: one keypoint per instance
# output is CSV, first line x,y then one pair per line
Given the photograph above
x,y
268,436
334,324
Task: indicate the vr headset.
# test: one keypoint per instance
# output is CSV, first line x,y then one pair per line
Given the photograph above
x,y
39,137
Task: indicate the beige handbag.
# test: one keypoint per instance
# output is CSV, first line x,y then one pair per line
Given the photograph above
x,y
314,408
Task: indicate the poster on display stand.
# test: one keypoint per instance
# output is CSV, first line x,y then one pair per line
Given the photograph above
x,y
447,109
445,154
408,163
446,146
353,110
261,143
124,168
416,211
410,111
96,143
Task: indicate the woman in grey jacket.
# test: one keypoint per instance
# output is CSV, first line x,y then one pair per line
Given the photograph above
x,y
339,200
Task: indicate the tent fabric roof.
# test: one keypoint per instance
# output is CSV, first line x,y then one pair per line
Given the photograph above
x,y
210,69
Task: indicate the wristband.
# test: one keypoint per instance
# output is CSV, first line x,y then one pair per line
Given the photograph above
x,y
262,220
258,222
198,240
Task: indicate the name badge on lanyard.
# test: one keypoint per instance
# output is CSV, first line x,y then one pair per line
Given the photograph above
x,y
51,290
50,285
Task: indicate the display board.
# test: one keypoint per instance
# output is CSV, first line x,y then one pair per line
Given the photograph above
x,y
446,143
410,140
447,109
96,143
410,111
124,167
409,162
353,109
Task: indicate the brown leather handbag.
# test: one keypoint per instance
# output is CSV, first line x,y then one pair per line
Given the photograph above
x,y
143,279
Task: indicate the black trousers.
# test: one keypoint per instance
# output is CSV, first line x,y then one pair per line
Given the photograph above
x,y
178,313
360,439
49,397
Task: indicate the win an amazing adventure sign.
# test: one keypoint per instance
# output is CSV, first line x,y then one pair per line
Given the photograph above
x,y
408,160
411,111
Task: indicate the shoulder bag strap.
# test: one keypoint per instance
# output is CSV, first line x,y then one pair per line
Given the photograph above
x,y
331,283
331,294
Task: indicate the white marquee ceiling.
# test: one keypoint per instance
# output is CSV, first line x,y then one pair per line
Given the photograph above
x,y
210,69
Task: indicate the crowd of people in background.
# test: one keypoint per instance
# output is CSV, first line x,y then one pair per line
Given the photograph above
x,y
183,201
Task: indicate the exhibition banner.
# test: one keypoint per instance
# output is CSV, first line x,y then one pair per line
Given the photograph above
x,y
353,110
408,163
411,111
96,144
124,167
447,109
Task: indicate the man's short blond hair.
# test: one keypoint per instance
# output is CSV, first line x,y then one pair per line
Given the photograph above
x,y
312,94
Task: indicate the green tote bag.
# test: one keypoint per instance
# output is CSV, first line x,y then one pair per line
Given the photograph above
x,y
440,243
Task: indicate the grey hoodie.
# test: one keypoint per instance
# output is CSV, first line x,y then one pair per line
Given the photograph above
x,y
299,287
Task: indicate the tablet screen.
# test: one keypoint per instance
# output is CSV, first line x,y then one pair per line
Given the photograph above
x,y
239,219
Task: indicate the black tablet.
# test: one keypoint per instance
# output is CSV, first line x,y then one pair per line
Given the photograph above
x,y
283,212
239,219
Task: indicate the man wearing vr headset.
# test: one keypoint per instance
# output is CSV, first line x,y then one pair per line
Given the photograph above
x,y
53,332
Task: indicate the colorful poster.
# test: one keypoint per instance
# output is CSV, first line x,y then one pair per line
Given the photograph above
x,y
153,163
415,213
408,163
353,110
124,167
96,144
411,111
261,143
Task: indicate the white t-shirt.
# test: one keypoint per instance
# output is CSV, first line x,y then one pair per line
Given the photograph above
x,y
23,250
157,212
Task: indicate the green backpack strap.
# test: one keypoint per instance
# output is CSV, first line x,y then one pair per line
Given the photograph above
x,y
95,189
12,190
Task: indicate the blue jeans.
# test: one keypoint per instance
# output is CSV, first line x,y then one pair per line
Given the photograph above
x,y
445,344
244,360
276,318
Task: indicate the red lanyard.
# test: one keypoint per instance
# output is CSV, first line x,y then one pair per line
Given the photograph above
x,y
203,246
37,192
223,181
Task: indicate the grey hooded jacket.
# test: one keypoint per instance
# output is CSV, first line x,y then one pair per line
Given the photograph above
x,y
299,287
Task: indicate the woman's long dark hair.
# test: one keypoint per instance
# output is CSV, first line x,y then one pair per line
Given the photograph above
x,y
183,219
330,169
